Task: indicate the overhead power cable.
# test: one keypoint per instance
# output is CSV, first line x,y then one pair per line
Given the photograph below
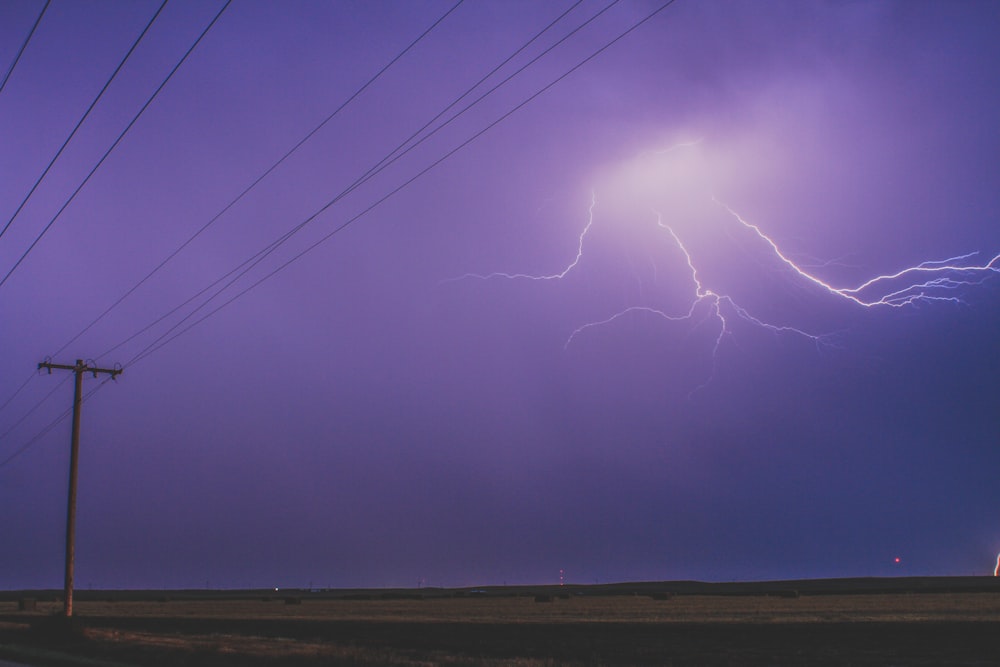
x,y
38,436
309,135
397,153
82,118
164,339
17,391
35,407
24,45
260,178
115,144
392,156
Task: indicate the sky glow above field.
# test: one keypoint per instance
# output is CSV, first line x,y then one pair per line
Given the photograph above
x,y
729,285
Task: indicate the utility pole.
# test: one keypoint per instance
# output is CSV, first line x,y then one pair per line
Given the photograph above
x,y
78,370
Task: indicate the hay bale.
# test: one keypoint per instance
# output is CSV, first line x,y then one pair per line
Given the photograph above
x,y
544,598
27,604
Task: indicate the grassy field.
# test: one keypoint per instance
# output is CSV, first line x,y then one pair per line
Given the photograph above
x,y
958,628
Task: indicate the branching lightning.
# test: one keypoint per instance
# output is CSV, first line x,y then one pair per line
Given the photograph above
x,y
718,305
930,281
924,283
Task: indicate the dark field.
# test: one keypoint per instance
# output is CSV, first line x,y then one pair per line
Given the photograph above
x,y
864,622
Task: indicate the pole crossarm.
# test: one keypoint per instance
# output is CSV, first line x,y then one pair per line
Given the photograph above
x,y
79,367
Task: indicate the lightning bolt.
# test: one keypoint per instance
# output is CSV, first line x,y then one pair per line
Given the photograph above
x,y
718,305
929,281
996,571
554,276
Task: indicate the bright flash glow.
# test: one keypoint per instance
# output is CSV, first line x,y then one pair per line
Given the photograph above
x,y
996,571
675,147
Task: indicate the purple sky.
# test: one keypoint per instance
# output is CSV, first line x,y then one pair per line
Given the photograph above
x,y
375,414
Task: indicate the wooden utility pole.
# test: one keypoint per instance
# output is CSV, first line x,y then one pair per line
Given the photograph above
x,y
78,370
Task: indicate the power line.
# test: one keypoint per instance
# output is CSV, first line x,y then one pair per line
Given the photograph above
x,y
164,340
378,166
260,178
115,144
32,410
82,118
17,391
38,436
366,85
27,39
247,265
262,254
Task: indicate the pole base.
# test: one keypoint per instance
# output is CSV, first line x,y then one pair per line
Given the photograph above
x,y
57,628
